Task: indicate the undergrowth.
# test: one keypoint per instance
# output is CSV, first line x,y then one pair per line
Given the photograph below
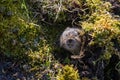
x,y
32,31
18,34
104,29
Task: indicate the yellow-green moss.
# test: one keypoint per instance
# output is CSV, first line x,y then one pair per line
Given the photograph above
x,y
68,73
18,34
103,28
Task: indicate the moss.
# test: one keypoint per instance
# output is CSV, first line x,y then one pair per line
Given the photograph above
x,y
103,28
68,73
18,35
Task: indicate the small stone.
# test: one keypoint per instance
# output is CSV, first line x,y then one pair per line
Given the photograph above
x,y
9,13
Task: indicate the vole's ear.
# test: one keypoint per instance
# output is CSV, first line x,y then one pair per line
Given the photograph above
x,y
67,28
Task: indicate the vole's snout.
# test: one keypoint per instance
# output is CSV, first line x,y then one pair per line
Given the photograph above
x,y
70,41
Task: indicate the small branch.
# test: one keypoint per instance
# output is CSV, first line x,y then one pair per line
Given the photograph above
x,y
82,50
59,9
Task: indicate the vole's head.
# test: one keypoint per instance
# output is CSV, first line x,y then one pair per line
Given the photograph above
x,y
70,39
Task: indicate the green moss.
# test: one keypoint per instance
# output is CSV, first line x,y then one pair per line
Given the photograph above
x,y
18,35
102,27
68,73
21,37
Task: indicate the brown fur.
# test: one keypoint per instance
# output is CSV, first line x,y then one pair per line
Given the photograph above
x,y
71,40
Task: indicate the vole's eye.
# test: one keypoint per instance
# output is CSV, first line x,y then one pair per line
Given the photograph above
x,y
66,35
76,33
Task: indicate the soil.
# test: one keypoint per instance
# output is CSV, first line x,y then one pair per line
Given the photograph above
x,y
11,69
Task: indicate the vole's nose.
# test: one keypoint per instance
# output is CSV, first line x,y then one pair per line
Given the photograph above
x,y
70,41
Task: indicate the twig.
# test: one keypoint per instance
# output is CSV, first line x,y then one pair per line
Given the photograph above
x,y
59,9
82,50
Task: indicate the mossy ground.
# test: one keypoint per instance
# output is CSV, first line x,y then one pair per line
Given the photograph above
x,y
29,39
